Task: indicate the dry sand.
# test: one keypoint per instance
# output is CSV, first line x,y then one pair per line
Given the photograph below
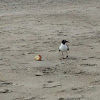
x,y
31,27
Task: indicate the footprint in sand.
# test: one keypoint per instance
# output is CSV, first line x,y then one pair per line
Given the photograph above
x,y
69,99
51,84
5,91
4,83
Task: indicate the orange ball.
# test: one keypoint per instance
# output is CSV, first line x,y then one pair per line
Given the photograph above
x,y
38,58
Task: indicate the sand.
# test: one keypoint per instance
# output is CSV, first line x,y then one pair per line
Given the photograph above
x,y
32,27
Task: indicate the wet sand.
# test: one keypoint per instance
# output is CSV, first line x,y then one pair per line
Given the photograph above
x,y
32,27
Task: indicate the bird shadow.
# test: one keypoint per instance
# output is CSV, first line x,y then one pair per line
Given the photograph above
x,y
71,58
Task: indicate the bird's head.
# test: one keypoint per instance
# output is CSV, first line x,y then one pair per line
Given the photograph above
x,y
64,41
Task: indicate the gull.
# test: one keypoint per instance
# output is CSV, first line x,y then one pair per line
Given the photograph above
x,y
64,48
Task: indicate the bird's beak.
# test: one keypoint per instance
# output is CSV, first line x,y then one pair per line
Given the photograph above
x,y
67,41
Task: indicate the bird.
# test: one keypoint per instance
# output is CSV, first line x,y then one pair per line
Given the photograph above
x,y
64,48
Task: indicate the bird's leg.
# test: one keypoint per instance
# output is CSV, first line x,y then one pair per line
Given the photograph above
x,y
63,55
67,54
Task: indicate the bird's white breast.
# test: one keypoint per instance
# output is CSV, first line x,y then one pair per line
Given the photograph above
x,y
63,47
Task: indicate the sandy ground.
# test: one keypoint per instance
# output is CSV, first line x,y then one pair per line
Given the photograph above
x,y
32,27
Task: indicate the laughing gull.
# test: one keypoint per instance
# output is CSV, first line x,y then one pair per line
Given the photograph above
x,y
64,47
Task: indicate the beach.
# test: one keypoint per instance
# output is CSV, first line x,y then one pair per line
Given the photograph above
x,y
37,27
